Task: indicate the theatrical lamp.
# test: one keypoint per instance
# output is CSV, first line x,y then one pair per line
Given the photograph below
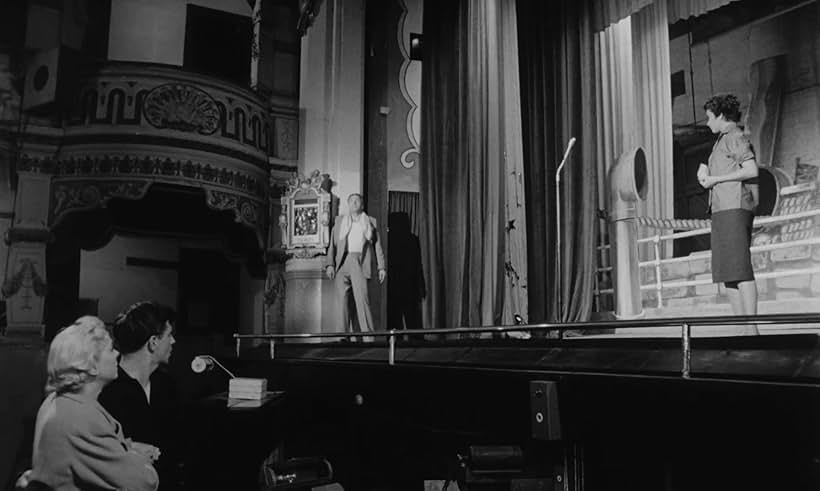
x,y
202,363
238,387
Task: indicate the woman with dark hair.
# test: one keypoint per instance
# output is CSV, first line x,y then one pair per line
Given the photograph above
x,y
733,199
78,444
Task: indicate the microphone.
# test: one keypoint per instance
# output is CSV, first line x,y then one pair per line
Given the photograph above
x,y
569,149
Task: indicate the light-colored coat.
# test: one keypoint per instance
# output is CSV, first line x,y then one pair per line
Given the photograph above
x,y
79,445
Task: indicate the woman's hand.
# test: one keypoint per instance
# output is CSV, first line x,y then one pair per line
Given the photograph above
x,y
23,481
707,181
149,451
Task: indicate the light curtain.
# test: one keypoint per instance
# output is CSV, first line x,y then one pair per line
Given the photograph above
x,y
615,102
608,12
615,106
469,133
653,106
683,9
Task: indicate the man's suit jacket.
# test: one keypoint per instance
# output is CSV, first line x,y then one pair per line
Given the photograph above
x,y
338,249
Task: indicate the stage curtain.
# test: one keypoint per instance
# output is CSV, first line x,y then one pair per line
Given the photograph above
x,y
407,202
683,9
608,12
465,132
653,105
615,106
515,265
558,98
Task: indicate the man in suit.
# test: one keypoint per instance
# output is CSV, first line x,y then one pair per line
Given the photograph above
x,y
353,242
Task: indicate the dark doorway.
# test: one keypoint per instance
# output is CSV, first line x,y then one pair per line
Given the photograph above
x,y
208,294
691,199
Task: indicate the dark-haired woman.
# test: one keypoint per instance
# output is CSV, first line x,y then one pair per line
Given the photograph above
x,y
733,199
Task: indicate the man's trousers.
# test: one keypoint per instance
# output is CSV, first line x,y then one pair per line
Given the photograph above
x,y
350,280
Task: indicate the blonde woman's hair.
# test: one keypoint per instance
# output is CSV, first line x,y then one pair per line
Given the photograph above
x,y
74,353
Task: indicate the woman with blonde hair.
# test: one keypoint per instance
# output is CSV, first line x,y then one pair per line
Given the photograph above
x,y
78,444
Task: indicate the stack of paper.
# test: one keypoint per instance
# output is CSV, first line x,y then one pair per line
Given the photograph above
x,y
247,388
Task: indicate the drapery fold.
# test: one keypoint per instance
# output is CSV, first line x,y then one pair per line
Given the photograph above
x,y
653,107
516,300
468,147
683,9
608,12
558,100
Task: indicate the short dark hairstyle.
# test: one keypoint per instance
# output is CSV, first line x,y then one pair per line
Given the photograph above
x,y
136,324
355,194
725,104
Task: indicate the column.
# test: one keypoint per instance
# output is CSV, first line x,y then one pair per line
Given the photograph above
x,y
6,214
25,281
331,139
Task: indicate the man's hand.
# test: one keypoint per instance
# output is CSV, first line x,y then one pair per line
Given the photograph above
x,y
330,271
382,275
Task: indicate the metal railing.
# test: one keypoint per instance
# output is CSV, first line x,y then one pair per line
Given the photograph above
x,y
657,262
685,325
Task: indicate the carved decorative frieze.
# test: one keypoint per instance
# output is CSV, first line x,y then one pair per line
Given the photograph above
x,y
69,196
167,169
88,183
160,99
245,211
181,107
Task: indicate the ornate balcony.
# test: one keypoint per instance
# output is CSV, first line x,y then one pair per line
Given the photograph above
x,y
135,124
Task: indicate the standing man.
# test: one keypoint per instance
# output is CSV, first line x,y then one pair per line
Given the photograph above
x,y
143,398
352,243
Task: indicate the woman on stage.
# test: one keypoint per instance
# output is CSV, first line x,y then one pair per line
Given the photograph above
x,y
733,199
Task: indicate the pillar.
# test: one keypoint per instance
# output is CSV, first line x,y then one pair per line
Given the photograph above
x,y
25,281
331,140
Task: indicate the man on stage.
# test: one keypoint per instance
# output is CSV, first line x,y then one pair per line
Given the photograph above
x,y
352,243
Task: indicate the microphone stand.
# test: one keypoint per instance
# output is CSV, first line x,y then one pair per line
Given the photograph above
x,y
559,266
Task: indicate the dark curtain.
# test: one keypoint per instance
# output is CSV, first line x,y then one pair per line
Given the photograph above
x,y
462,187
405,202
557,67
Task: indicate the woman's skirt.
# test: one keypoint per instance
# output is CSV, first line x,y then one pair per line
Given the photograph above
x,y
731,239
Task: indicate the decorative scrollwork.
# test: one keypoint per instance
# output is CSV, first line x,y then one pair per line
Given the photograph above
x,y
26,278
86,195
131,167
182,107
245,211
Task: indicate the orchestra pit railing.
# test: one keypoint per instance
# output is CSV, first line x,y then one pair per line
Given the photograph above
x,y
685,325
